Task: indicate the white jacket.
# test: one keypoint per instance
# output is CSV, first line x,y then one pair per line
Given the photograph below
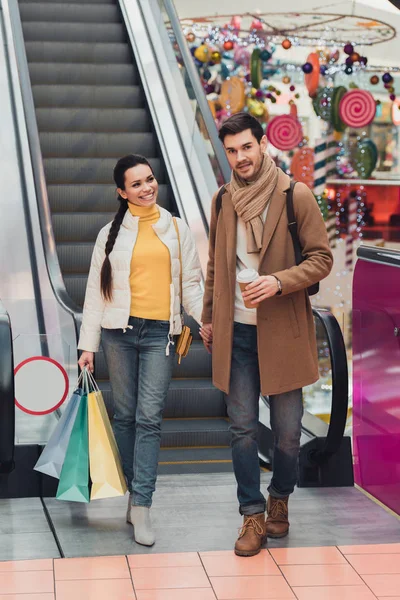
x,y
98,313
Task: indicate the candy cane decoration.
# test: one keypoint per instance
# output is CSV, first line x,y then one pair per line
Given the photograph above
x,y
331,227
351,231
321,162
319,167
331,155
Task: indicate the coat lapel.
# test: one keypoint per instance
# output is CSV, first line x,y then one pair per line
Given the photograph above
x,y
276,207
230,224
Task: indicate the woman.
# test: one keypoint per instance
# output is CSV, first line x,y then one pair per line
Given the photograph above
x,y
132,303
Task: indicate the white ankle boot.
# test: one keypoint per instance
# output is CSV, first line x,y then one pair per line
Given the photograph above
x,y
128,512
140,519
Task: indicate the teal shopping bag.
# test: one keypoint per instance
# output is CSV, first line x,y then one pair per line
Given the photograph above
x,y
74,478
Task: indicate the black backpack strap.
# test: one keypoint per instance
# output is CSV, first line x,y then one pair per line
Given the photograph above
x,y
292,224
218,202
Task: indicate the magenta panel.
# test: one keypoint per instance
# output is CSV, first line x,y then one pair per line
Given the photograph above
x,y
376,375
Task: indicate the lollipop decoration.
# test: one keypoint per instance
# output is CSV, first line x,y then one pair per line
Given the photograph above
x,y
366,158
284,132
302,166
311,70
357,108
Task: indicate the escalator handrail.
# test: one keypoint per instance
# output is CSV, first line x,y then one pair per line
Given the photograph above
x,y
44,211
198,90
7,395
385,256
340,385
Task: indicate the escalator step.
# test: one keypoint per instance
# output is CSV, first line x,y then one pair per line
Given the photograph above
x,y
96,145
79,227
194,432
76,287
195,460
69,13
85,96
196,365
82,74
78,53
79,1
94,197
197,400
74,32
94,119
89,170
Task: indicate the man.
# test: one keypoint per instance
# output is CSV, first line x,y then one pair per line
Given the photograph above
x,y
271,349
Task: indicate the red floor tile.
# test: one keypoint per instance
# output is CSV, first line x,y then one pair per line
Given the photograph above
x,y
270,587
334,592
27,597
182,559
232,565
307,556
31,582
312,575
98,567
183,594
90,589
158,578
375,564
371,549
27,565
383,585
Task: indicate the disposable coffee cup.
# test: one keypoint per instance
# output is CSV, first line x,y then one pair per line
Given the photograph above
x,y
244,278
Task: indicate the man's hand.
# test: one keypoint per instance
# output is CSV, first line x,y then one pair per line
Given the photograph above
x,y
206,334
87,360
262,288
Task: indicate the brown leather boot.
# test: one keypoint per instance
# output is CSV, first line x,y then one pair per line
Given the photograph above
x,y
277,524
251,535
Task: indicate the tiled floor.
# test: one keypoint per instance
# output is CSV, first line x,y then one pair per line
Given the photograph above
x,y
325,573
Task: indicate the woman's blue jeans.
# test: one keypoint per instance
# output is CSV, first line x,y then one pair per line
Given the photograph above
x,y
140,375
286,412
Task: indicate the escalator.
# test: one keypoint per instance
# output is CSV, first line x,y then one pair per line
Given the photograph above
x,y
89,73
91,109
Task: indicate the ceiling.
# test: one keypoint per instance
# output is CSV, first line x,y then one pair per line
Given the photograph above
x,y
383,54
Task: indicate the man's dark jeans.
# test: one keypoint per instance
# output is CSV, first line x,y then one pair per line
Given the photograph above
x,y
242,403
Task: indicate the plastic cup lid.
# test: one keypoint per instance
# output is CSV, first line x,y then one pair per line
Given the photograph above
x,y
247,275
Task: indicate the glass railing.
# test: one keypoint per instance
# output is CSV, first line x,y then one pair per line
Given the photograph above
x,y
203,114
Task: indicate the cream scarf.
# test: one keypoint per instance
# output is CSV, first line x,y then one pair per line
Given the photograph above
x,y
250,201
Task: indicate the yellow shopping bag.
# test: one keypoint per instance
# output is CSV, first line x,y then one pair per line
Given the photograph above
x,y
106,473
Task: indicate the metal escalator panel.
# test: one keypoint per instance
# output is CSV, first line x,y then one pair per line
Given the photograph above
x,y
92,106
7,404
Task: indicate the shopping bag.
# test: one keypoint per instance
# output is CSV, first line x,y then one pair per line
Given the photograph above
x,y
106,472
52,458
74,478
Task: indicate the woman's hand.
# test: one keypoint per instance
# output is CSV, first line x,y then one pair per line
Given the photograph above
x,y
206,335
87,360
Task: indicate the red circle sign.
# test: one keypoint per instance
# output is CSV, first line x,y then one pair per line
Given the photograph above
x,y
41,385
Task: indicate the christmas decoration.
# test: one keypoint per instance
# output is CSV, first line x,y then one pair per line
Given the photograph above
x,y
286,44
357,108
284,132
302,165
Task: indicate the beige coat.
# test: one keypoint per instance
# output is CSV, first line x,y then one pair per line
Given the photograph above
x,y
286,334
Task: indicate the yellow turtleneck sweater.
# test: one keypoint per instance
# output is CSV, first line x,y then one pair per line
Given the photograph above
x,y
150,276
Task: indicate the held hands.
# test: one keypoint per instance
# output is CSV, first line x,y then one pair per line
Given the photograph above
x,y
206,335
87,360
262,288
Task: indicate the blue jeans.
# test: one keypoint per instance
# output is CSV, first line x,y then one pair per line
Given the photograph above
x,y
140,375
242,404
